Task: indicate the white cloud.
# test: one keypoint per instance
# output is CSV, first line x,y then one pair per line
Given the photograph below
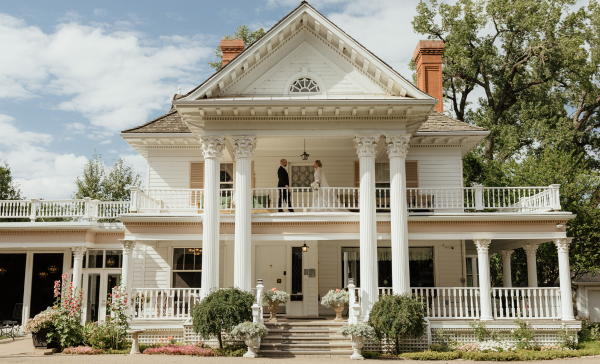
x,y
76,128
115,78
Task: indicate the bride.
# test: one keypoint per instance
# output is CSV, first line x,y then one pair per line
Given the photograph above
x,y
324,199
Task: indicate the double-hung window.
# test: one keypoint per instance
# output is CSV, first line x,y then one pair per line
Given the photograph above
x,y
187,267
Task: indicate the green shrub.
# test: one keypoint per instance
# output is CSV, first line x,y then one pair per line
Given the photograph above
x,y
397,317
523,334
232,350
589,331
431,355
111,333
481,331
220,311
443,343
370,354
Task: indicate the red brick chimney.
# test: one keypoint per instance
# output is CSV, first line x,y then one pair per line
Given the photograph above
x,y
231,48
428,57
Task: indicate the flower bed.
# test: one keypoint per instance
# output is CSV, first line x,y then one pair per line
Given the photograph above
x,y
82,350
172,349
499,356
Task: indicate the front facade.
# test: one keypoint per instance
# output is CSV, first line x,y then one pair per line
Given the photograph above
x,y
395,218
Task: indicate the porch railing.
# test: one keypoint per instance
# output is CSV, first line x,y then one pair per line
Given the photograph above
x,y
73,210
526,303
176,200
163,303
306,199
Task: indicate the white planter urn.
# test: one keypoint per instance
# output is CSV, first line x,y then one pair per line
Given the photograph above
x,y
252,348
357,344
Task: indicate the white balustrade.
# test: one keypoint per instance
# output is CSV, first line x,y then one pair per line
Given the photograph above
x,y
16,208
163,303
526,303
61,208
158,200
449,302
111,209
306,199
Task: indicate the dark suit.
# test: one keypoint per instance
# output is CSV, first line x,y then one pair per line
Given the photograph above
x,y
284,194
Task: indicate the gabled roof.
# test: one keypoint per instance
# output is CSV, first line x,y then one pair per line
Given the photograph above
x,y
438,122
363,60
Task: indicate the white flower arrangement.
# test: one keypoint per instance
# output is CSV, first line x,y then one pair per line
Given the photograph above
x,y
315,185
361,330
275,296
250,330
335,297
499,346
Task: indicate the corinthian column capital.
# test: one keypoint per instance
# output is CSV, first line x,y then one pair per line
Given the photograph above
x,y
366,145
506,253
78,252
212,147
397,145
243,147
128,245
482,245
562,244
530,249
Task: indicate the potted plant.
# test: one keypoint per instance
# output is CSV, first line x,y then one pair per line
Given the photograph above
x,y
40,325
336,299
273,298
358,334
250,332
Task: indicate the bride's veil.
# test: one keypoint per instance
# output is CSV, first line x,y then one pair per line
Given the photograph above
x,y
323,179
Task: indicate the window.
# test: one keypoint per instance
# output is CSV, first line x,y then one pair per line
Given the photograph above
x,y
226,175
187,267
302,176
304,84
102,259
95,259
420,266
382,175
472,272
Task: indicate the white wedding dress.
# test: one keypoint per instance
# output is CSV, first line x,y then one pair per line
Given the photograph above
x,y
324,198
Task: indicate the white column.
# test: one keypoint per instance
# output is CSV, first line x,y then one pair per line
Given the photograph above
x,y
78,254
397,148
212,149
127,270
485,289
531,251
366,147
506,272
243,148
564,271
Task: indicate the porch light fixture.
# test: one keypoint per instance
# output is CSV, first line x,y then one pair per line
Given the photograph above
x,y
43,274
110,262
2,271
52,269
304,248
304,157
197,251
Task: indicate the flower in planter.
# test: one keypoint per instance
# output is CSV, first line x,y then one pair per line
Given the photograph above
x,y
275,296
250,330
335,297
363,331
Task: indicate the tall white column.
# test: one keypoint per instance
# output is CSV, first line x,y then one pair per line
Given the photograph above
x,y
243,148
564,271
366,147
212,149
531,251
506,271
397,148
78,254
127,270
485,289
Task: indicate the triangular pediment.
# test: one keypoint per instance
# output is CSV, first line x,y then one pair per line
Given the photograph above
x,y
306,38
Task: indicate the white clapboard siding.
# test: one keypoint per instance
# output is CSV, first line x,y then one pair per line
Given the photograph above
x,y
170,168
329,270
438,167
156,268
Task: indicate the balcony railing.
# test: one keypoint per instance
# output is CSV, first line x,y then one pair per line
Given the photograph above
x,y
526,302
163,303
71,210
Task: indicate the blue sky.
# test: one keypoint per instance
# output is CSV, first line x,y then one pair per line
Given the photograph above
x,y
73,74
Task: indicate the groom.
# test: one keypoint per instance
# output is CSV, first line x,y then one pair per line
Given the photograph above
x,y
284,185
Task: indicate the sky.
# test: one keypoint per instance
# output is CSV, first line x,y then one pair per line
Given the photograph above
x,y
74,74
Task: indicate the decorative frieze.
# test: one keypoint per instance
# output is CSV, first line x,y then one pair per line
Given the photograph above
x,y
366,145
212,147
397,145
243,147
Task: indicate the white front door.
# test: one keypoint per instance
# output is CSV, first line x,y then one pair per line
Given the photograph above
x,y
98,285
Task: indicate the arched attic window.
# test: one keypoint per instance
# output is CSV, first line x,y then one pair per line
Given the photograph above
x,y
304,85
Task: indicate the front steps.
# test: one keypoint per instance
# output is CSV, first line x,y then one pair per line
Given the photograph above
x,y
305,338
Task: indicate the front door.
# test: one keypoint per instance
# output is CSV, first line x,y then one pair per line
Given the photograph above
x,y
271,267
98,287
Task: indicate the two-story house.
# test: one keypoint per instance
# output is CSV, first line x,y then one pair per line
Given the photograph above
x,y
396,217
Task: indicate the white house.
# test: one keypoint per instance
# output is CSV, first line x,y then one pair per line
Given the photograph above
x,y
396,217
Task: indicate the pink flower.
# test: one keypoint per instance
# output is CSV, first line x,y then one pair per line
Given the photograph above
x,y
337,290
273,289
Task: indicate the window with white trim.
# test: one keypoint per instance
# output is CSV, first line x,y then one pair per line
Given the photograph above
x,y
304,85
187,267
472,272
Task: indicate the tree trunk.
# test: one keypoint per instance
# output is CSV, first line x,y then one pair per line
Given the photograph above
x,y
220,340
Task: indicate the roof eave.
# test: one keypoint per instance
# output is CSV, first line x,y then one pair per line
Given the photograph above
x,y
303,102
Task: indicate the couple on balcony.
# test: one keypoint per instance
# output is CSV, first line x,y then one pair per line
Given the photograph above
x,y
323,199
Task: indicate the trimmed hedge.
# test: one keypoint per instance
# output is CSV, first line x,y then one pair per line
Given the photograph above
x,y
519,355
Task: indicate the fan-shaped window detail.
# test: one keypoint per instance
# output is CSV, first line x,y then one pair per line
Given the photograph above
x,y
304,84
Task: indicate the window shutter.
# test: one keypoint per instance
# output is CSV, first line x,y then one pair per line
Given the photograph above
x,y
197,175
252,178
356,174
412,174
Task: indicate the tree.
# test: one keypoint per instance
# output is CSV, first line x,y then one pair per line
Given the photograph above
x,y
397,317
9,190
103,183
244,33
220,311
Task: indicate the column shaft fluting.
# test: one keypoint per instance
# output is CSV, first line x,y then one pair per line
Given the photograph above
x,y
506,268
531,251
485,289
564,271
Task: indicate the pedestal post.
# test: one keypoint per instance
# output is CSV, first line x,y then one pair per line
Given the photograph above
x,y
366,147
212,149
485,289
506,269
564,271
243,148
531,251
397,148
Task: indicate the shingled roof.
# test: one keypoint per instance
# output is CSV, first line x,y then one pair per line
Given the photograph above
x,y
171,122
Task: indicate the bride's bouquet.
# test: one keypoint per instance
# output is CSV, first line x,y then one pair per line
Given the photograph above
x,y
315,185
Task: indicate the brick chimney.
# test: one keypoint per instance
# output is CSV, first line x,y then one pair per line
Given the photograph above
x,y
428,57
231,48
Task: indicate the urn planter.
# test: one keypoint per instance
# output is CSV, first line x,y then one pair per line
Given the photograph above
x,y
252,347
338,308
40,341
357,344
273,307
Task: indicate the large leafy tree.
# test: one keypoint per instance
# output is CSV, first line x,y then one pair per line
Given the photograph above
x,y
529,72
104,183
244,33
9,189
